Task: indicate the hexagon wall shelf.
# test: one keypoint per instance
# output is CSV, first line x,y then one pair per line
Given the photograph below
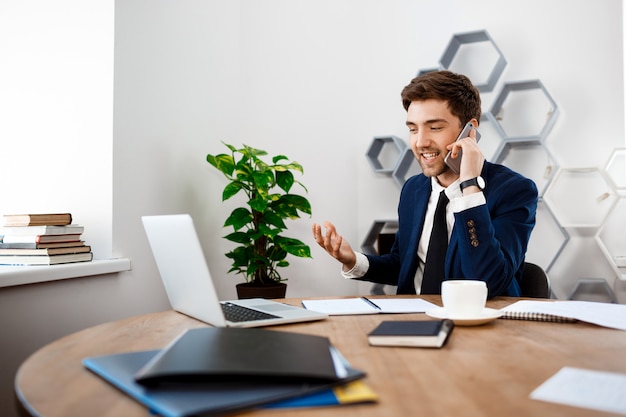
x,y
547,240
580,197
467,53
611,238
369,245
406,168
526,109
531,160
490,143
616,170
384,153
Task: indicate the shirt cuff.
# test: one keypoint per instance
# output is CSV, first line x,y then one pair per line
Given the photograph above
x,y
359,269
468,201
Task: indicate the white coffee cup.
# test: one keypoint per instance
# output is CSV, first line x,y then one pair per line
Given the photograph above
x,y
464,297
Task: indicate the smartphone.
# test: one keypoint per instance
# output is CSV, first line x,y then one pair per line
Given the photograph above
x,y
455,163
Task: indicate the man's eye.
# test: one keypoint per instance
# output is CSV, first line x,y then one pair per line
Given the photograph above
x,y
435,128
412,130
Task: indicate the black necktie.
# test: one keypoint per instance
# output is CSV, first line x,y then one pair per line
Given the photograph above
x,y
437,246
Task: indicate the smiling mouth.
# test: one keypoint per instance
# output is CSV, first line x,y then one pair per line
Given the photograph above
x,y
429,156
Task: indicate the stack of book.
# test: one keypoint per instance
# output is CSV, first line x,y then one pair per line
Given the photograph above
x,y
42,239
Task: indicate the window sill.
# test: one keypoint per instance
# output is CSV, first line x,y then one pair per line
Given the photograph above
x,y
21,275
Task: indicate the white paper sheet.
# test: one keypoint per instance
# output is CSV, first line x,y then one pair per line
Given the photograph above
x,y
596,390
362,305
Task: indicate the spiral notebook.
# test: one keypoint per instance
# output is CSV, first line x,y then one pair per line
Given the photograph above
x,y
535,311
608,315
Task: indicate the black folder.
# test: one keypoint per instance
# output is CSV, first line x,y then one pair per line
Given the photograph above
x,y
232,354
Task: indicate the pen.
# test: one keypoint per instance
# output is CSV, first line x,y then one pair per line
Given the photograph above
x,y
370,302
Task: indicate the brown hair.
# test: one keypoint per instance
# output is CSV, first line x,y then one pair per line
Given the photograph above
x,y
456,89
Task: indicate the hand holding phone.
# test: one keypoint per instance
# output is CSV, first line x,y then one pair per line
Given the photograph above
x,y
455,163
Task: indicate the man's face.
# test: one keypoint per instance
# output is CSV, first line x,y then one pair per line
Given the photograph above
x,y
432,127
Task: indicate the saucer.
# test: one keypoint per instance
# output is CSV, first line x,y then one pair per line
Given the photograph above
x,y
487,315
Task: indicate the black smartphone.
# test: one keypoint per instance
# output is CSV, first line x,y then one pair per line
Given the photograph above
x,y
455,163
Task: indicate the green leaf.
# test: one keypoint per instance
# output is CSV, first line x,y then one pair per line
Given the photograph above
x,y
238,218
291,166
268,231
293,246
258,204
239,256
263,180
274,220
231,147
278,158
238,237
254,152
288,205
222,162
230,190
276,253
285,180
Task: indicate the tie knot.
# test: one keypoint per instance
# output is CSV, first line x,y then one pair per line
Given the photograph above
x,y
443,198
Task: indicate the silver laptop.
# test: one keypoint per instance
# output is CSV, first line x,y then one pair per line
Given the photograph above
x,y
188,284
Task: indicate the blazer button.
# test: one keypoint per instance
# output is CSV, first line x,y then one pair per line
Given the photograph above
x,y
470,223
475,243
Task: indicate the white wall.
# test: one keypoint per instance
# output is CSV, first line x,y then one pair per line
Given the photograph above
x,y
56,124
313,79
56,119
317,81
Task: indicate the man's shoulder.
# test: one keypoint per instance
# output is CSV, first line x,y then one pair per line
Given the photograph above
x,y
419,180
496,174
493,170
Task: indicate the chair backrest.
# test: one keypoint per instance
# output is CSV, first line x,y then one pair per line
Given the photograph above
x,y
535,282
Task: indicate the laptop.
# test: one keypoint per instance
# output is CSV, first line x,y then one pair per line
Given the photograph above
x,y
189,286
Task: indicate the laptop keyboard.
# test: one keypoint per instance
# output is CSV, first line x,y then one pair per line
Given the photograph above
x,y
237,313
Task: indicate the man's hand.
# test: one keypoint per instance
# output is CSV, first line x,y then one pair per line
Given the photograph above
x,y
333,243
473,159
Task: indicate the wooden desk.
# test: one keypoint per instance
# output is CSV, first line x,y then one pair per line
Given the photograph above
x,y
487,370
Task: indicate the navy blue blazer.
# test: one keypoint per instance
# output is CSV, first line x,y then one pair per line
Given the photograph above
x,y
488,242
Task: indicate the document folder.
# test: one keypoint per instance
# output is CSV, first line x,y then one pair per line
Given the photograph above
x,y
202,399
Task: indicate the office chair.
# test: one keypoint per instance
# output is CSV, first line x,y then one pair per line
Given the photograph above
x,y
535,282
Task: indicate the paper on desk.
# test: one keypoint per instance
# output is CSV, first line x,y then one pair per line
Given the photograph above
x,y
584,388
362,305
602,314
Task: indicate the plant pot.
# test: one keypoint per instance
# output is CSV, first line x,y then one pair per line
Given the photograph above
x,y
252,290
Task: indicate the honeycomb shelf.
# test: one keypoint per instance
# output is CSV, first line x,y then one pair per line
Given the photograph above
x,y
384,153
580,197
369,245
406,167
476,55
524,111
610,238
516,155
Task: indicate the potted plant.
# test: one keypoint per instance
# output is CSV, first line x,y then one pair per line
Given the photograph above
x,y
259,225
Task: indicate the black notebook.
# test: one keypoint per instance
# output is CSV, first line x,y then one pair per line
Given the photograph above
x,y
210,354
416,333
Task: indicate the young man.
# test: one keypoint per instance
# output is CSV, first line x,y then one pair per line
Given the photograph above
x,y
491,209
